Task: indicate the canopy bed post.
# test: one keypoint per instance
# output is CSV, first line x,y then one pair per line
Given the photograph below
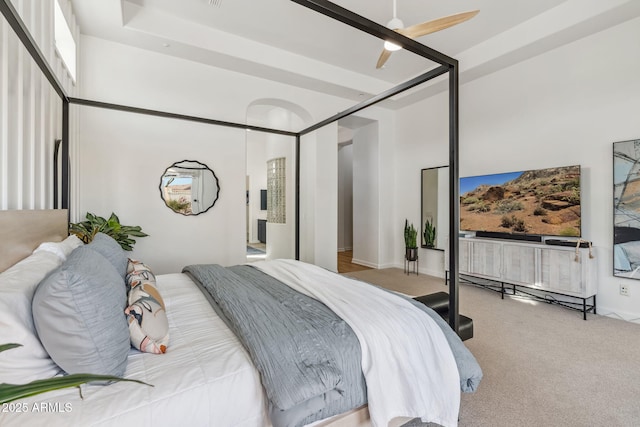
x,y
56,178
65,155
454,205
297,231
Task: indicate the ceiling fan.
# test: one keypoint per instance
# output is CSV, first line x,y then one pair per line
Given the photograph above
x,y
419,30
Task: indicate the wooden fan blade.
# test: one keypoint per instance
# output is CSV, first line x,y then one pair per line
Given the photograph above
x,y
429,27
383,58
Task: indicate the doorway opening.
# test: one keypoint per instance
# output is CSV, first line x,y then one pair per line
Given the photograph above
x,y
357,221
270,166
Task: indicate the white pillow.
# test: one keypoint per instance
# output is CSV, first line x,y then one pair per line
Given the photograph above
x,y
17,286
61,249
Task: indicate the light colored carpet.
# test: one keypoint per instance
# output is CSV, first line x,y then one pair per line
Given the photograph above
x,y
543,365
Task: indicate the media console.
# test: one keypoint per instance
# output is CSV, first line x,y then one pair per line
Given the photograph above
x,y
561,270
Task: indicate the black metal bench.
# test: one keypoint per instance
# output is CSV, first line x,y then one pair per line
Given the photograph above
x,y
439,302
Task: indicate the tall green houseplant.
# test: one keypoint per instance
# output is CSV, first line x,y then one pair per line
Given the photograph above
x,y
410,235
94,224
410,241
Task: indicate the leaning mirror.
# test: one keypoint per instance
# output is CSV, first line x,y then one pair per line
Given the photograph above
x,y
189,187
435,207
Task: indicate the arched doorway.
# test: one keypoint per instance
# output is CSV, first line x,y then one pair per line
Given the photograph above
x,y
270,178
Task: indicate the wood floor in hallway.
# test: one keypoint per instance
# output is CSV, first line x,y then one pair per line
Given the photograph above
x,y
346,266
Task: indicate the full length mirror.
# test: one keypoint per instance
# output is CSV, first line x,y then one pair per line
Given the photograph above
x,y
434,207
189,187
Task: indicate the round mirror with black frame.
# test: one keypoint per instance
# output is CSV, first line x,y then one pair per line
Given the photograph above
x,y
189,187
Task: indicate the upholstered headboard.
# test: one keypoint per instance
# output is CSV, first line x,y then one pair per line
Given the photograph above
x,y
21,231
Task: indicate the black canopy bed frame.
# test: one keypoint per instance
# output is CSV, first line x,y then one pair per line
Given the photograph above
x,y
446,65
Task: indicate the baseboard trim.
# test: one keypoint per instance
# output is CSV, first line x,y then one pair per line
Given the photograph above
x,y
364,263
617,314
388,265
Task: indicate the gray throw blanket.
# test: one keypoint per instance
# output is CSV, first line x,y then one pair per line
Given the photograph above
x,y
308,358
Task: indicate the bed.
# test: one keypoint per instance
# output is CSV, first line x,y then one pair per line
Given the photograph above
x,y
206,377
445,65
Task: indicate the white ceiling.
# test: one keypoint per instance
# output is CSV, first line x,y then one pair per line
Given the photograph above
x,y
286,42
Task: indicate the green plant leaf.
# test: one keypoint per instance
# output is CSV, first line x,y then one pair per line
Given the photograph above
x,y
4,347
11,392
135,231
86,230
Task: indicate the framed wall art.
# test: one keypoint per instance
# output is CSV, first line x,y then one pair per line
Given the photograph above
x,y
626,209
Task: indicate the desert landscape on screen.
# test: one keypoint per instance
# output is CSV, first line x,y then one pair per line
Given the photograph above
x,y
541,201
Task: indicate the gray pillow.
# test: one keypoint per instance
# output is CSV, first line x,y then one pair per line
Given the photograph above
x,y
78,311
111,250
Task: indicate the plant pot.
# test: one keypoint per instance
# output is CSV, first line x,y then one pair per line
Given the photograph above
x,y
411,254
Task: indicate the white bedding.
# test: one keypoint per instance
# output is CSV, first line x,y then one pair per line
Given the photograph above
x,y
205,379
408,365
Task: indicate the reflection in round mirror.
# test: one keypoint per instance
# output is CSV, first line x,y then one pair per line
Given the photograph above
x,y
189,187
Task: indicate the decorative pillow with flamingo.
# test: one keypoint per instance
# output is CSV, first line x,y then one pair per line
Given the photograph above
x,y
146,314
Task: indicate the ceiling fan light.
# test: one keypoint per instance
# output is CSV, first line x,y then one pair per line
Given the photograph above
x,y
392,47
395,24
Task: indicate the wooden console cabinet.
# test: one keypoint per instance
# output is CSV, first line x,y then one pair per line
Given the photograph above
x,y
536,266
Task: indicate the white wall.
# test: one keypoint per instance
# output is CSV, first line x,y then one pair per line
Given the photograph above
x,y
319,197
126,75
388,228
281,237
563,107
308,209
366,198
122,175
122,155
372,133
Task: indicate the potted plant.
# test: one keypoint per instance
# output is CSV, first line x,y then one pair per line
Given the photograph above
x,y
94,224
410,238
429,234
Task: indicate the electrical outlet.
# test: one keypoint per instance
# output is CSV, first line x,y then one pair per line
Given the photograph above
x,y
624,290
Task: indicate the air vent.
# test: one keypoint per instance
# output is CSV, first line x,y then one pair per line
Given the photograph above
x,y
215,3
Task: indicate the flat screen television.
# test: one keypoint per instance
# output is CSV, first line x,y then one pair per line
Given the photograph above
x,y
540,202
